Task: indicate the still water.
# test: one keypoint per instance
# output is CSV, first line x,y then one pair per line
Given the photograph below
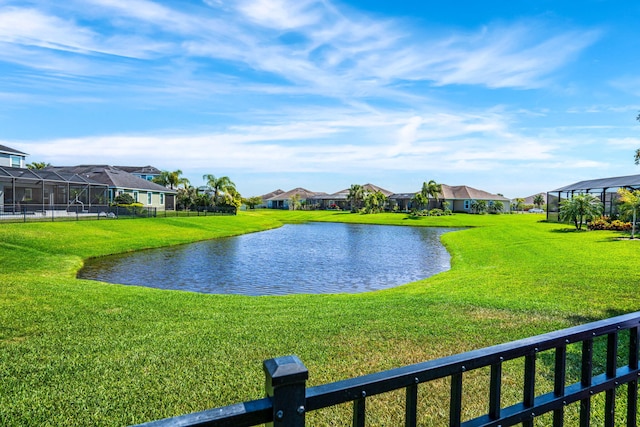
x,y
313,258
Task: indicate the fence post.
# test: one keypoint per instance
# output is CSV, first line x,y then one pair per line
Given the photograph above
x,y
286,379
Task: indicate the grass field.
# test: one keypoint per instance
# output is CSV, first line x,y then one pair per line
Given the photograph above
x,y
76,352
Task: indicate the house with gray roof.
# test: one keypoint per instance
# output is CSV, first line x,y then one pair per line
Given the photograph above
x,y
148,173
459,197
148,193
340,200
10,157
282,200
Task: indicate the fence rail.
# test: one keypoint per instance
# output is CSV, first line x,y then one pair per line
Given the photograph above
x,y
288,399
77,212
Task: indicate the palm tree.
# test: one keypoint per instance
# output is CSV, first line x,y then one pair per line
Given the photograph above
x,y
218,185
496,207
519,204
175,179
186,197
630,203
374,201
419,200
171,179
38,165
580,208
538,200
355,196
432,190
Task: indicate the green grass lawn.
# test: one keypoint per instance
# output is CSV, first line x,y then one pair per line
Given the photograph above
x,y
76,352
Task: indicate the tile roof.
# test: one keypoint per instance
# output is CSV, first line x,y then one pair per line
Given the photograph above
x,y
272,194
302,192
464,192
343,194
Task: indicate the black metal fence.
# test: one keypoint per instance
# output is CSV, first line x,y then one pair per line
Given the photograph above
x,y
34,213
288,400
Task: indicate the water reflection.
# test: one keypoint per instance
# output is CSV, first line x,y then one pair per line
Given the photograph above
x,y
303,258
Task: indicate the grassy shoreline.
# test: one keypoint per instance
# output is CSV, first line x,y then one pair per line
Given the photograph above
x,y
76,352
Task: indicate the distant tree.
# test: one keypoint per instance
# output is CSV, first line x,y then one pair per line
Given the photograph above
x,y
419,201
519,204
171,179
432,190
202,200
252,202
294,202
580,208
124,199
38,165
231,197
538,200
630,204
186,197
355,196
374,201
219,185
496,207
479,206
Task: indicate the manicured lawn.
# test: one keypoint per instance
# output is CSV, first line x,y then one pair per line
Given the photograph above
x,y
76,352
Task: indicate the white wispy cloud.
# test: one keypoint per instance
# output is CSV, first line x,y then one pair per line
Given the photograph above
x,y
310,44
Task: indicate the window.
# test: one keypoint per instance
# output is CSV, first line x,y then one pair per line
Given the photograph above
x,y
162,199
149,198
16,161
467,205
135,196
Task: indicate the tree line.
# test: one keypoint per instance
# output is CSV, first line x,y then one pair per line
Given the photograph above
x,y
216,192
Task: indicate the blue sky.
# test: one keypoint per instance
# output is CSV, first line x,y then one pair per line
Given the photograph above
x,y
511,97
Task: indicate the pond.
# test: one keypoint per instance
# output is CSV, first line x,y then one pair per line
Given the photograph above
x,y
311,258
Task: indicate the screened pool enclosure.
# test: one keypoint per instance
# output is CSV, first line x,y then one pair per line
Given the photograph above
x,y
606,189
42,192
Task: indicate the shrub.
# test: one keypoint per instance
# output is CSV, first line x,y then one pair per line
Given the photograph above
x,y
124,199
605,223
436,212
620,225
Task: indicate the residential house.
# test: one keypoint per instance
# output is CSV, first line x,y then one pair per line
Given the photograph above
x,y
268,196
459,198
12,158
340,200
148,173
148,193
283,200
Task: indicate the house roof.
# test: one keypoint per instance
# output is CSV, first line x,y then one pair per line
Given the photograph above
x,y
529,200
344,194
302,192
464,192
112,176
632,181
46,175
143,170
374,188
272,194
458,192
9,150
